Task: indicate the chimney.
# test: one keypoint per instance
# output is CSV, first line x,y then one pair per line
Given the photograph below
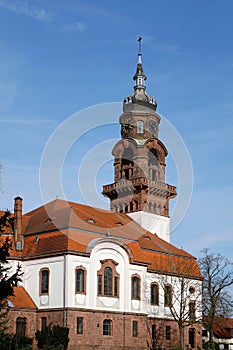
x,y
18,222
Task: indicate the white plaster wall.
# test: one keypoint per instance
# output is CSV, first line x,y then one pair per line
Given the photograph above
x,y
101,251
31,281
152,222
162,311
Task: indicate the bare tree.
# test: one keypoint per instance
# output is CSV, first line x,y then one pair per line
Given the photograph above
x,y
155,330
182,295
218,276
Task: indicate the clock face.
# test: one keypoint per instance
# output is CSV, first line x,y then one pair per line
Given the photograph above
x,y
128,120
152,126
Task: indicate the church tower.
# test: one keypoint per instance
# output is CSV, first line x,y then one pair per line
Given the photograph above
x,y
140,189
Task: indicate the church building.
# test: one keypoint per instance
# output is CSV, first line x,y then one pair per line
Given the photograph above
x,y
112,277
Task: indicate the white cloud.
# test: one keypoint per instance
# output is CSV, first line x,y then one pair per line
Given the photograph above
x,y
74,27
24,8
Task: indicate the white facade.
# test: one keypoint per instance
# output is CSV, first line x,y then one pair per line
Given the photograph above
x,y
152,222
62,283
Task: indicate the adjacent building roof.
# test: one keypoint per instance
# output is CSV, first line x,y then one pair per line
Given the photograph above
x,y
223,327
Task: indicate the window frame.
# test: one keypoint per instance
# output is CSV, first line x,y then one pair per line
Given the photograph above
x,y
21,326
156,301
140,127
167,295
168,333
42,291
135,295
153,332
192,311
79,318
43,321
107,327
102,290
135,328
83,291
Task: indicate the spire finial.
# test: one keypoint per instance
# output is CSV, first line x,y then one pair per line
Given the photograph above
x,y
139,44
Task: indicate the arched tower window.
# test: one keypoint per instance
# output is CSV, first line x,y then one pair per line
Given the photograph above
x,y
140,127
153,164
127,164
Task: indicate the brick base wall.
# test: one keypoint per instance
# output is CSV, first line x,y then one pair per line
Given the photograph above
x,y
121,329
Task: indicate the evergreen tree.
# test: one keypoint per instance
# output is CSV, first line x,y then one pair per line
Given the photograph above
x,y
8,279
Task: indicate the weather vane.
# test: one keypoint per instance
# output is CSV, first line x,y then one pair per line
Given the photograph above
x,y
140,44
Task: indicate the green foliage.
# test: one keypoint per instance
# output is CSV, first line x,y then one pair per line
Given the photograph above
x,y
53,338
211,345
14,342
21,343
5,340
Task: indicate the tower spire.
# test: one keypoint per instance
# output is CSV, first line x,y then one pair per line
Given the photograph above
x,y
139,44
139,76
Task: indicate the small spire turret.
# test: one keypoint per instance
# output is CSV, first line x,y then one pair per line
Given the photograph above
x,y
140,95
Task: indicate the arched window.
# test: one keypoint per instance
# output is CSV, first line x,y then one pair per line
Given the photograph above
x,y
192,332
80,280
192,315
153,164
44,281
21,326
140,127
135,287
107,327
154,294
108,279
167,295
127,164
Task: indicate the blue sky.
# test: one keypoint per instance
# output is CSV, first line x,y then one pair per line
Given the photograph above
x,y
59,57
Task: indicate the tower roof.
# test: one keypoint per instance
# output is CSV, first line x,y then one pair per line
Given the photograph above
x,y
139,95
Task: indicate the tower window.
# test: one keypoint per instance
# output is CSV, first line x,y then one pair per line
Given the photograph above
x,y
140,127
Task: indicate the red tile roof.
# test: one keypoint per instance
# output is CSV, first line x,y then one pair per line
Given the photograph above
x,y
61,226
223,327
21,299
